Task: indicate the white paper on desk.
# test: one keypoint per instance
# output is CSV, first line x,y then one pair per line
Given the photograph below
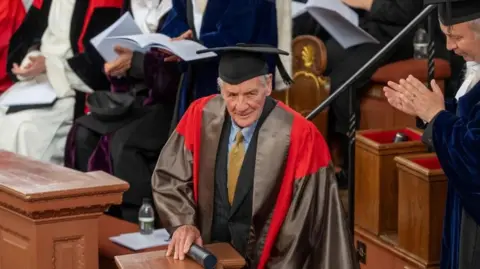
x,y
338,19
185,49
138,241
125,25
28,92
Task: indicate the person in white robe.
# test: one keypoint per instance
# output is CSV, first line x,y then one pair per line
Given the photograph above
x,y
63,62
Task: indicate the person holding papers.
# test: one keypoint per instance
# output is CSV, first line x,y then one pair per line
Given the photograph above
x,y
217,23
383,19
52,48
126,142
245,169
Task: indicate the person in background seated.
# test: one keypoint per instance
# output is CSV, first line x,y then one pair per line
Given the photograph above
x,y
52,46
218,23
383,19
453,131
245,169
127,143
11,16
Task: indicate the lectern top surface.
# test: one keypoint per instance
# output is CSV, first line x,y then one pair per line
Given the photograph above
x,y
30,179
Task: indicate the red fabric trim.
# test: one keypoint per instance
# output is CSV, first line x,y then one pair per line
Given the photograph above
x,y
94,4
36,3
387,136
308,153
190,127
12,13
430,163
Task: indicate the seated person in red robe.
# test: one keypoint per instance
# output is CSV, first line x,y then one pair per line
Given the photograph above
x,y
245,169
12,13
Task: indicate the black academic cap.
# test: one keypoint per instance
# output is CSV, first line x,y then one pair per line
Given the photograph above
x,y
245,61
452,12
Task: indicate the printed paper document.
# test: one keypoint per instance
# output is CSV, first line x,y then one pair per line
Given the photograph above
x,y
28,92
124,26
336,18
185,49
138,241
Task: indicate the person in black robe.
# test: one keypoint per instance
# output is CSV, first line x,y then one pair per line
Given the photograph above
x,y
383,19
128,126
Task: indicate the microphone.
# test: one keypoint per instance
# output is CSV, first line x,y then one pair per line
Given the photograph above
x,y
202,256
400,137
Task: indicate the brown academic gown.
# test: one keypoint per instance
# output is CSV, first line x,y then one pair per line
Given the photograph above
x,y
296,216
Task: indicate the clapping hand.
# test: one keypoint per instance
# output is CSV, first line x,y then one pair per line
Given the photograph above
x,y
414,98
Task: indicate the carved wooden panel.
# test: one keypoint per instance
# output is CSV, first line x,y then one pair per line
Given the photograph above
x,y
14,249
69,253
49,214
310,87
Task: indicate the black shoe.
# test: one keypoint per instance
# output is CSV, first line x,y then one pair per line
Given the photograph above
x,y
342,180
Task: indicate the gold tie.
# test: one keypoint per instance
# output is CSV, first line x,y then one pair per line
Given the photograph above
x,y
235,160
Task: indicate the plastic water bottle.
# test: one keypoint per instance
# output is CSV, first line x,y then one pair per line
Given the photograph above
x,y
420,44
146,217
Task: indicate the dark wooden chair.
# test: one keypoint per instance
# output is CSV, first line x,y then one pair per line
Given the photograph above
x,y
310,87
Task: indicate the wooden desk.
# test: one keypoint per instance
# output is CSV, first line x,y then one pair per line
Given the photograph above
x,y
147,258
107,250
227,257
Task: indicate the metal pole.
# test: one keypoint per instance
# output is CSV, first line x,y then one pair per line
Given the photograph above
x,y
352,99
420,17
431,49
351,158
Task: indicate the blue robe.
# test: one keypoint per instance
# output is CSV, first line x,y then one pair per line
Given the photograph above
x,y
225,23
455,134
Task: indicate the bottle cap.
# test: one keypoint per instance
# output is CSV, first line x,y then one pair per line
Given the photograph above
x,y
147,200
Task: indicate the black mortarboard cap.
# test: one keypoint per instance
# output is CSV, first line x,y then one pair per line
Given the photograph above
x,y
245,61
452,12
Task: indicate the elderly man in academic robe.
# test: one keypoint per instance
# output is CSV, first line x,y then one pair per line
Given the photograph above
x,y
453,131
218,23
53,45
245,169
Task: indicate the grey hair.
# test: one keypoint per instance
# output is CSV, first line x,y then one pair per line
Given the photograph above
x,y
263,80
475,26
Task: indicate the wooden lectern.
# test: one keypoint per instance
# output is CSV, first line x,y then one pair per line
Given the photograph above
x,y
421,205
49,214
422,193
228,258
376,190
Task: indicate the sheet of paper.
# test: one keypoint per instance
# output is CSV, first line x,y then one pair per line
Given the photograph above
x,y
28,93
185,49
298,9
341,29
125,25
138,241
336,6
